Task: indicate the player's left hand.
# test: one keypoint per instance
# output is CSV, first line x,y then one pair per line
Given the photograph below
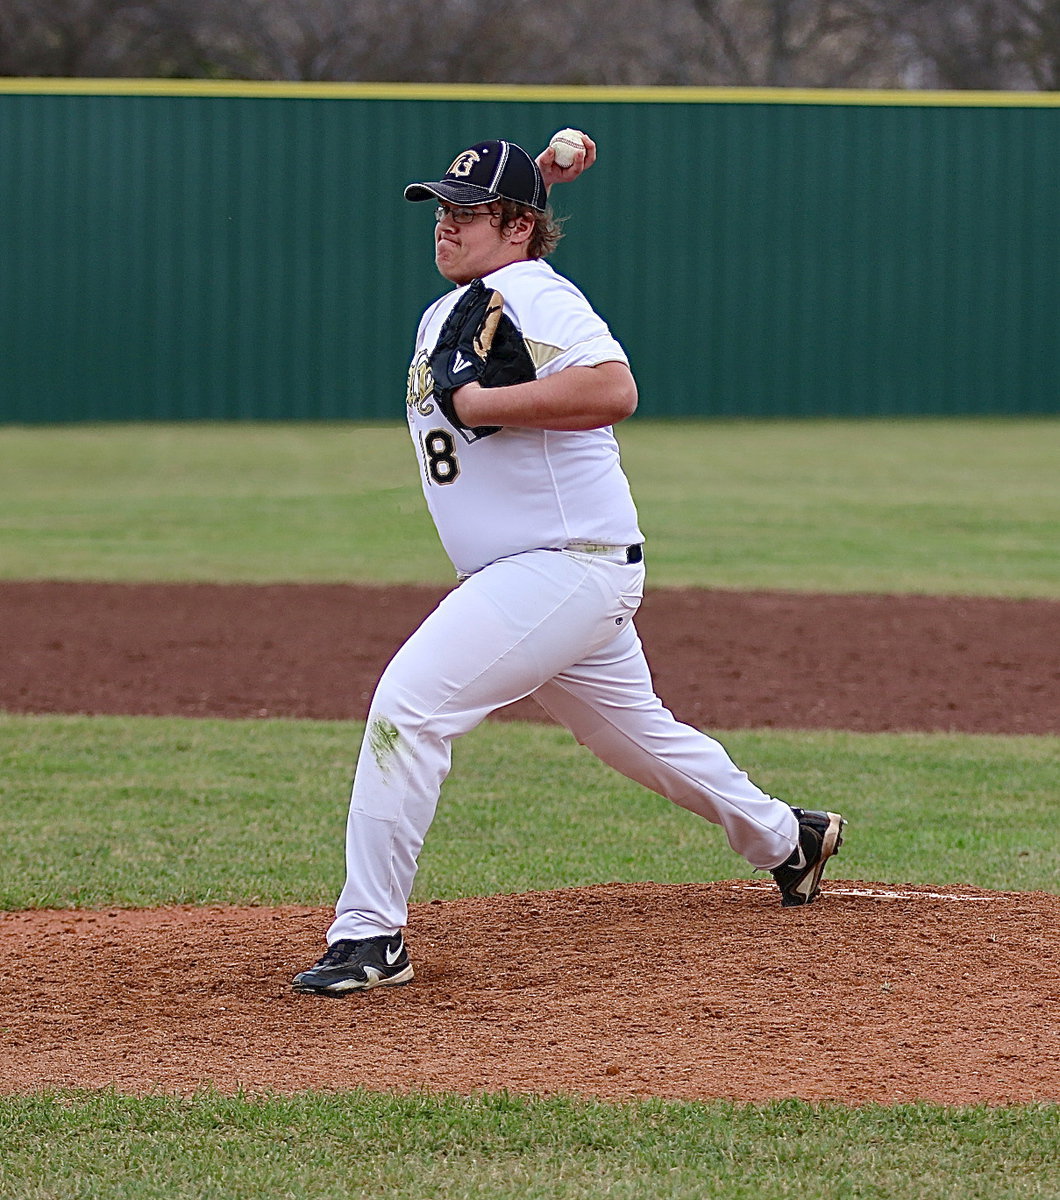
x,y
479,344
550,173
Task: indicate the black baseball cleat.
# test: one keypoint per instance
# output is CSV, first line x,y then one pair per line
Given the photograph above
x,y
355,966
799,877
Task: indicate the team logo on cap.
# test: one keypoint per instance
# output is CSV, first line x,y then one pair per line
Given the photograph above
x,y
464,164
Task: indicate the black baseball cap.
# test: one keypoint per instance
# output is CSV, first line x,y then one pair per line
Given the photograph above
x,y
486,172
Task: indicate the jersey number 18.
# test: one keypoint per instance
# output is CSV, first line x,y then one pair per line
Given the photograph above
x,y
439,456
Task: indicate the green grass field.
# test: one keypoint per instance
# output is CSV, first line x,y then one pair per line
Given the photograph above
x,y
99,811
62,1146
958,507
145,810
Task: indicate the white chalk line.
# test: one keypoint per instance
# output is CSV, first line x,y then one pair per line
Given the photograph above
x,y
881,893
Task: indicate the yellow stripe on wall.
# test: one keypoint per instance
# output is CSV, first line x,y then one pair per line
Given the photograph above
x,y
528,92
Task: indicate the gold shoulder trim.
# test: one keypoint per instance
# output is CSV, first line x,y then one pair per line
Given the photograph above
x,y
542,353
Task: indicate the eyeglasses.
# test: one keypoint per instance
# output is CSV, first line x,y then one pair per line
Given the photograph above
x,y
462,216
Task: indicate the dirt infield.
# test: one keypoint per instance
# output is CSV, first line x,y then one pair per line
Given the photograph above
x,y
722,660
878,992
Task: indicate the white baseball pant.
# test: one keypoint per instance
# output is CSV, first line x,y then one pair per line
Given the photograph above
x,y
557,625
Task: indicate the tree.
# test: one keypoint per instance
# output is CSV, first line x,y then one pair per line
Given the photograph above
x,y
96,38
753,43
788,43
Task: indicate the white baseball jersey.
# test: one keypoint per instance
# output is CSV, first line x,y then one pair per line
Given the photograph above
x,y
522,489
527,621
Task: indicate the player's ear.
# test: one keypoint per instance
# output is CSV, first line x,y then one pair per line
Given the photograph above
x,y
521,229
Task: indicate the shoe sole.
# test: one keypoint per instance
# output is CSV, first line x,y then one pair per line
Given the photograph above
x,y
830,843
833,836
343,988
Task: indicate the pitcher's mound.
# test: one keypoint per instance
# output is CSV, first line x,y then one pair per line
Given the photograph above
x,y
877,992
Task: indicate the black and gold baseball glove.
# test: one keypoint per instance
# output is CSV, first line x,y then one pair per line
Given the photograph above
x,y
479,343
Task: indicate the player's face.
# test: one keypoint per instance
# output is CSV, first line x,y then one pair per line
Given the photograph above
x,y
466,250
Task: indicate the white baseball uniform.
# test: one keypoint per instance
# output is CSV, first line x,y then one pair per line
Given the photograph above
x,y
543,532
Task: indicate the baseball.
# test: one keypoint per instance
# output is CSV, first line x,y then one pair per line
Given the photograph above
x,y
566,144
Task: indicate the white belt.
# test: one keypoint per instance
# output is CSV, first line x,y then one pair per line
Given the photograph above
x,y
628,554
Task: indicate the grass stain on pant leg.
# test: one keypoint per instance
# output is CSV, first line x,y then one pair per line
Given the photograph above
x,y
383,738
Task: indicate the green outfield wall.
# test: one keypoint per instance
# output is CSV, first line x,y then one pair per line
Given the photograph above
x,y
227,251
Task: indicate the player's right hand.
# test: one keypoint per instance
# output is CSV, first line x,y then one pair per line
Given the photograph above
x,y
550,173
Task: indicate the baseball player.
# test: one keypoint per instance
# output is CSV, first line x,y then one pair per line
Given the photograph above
x,y
525,486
